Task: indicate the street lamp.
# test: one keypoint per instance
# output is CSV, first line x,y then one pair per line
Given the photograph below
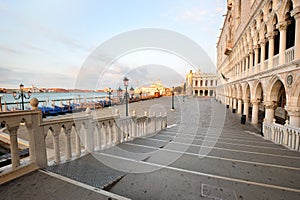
x,y
21,95
1,103
126,80
119,93
109,93
131,92
173,98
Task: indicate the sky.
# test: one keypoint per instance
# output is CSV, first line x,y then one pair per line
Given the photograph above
x,y
93,44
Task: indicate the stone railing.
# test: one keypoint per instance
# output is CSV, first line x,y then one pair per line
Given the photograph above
x,y
276,60
52,141
289,55
282,134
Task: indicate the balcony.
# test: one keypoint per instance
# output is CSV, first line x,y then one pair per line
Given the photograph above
x,y
289,55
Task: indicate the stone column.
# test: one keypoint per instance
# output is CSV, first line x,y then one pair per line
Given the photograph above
x,y
251,62
239,111
294,114
230,102
254,119
255,70
271,37
247,64
296,14
234,105
282,26
262,54
246,107
270,111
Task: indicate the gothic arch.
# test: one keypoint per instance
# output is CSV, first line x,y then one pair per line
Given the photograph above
x,y
257,91
273,89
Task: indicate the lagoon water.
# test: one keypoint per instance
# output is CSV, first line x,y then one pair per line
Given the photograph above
x,y
47,99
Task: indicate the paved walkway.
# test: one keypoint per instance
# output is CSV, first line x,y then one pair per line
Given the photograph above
x,y
206,154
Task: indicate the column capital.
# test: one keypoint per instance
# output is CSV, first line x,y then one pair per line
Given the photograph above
x,y
271,35
293,110
270,105
296,12
283,25
245,100
255,102
13,130
255,47
262,42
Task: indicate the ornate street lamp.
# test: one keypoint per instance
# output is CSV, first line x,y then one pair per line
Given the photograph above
x,y
21,95
131,92
173,98
126,80
119,93
1,103
109,93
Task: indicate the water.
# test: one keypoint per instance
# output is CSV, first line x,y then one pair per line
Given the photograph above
x,y
47,99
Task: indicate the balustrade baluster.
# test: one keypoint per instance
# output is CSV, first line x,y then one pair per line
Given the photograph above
x,y
77,141
55,133
67,134
14,149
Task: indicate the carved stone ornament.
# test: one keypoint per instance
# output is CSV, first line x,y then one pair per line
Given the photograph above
x,y
289,79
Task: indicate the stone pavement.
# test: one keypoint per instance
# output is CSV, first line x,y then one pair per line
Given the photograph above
x,y
205,154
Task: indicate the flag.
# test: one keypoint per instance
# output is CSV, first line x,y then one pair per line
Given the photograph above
x,y
226,79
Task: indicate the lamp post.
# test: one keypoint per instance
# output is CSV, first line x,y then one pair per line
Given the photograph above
x,y
21,95
126,80
173,98
131,92
119,93
1,103
109,96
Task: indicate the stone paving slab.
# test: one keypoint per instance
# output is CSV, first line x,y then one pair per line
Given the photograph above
x,y
88,170
40,186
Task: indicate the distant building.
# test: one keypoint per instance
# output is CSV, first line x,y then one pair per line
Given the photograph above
x,y
152,89
201,84
34,89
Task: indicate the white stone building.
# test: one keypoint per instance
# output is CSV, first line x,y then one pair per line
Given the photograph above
x,y
258,57
201,84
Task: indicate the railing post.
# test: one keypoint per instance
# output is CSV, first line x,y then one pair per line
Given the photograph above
x,y
273,130
37,145
146,124
109,132
134,124
154,122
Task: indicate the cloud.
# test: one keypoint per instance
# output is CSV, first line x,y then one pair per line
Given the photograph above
x,y
7,49
32,47
37,28
13,77
219,9
192,14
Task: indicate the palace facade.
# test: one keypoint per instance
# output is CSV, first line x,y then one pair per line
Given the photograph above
x,y
201,84
258,57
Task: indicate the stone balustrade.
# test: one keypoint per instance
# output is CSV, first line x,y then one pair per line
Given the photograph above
x,y
62,139
289,55
282,134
